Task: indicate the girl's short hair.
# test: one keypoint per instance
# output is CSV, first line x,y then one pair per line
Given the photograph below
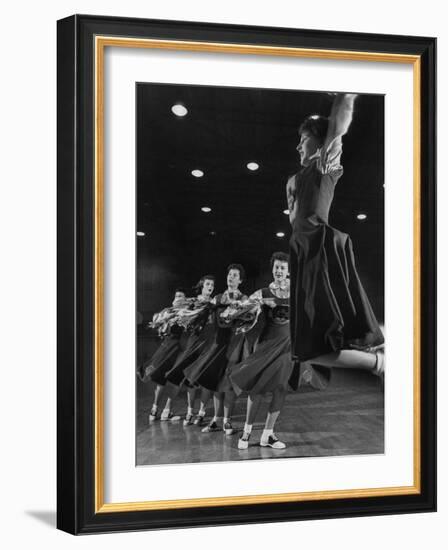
x,y
280,256
317,126
240,268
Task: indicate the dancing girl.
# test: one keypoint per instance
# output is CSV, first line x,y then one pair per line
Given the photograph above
x,y
332,321
163,359
210,370
200,329
269,368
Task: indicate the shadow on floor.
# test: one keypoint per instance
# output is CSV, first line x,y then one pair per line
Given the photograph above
x,y
48,517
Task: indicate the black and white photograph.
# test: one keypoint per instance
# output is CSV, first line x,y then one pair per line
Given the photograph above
x,y
259,274
220,244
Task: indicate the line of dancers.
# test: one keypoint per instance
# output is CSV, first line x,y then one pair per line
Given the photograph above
x,y
314,316
227,345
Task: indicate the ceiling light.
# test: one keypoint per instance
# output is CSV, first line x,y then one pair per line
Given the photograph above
x,y
179,110
361,217
197,173
280,234
286,212
140,234
253,166
206,209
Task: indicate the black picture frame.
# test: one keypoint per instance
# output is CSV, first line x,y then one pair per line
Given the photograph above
x,y
77,510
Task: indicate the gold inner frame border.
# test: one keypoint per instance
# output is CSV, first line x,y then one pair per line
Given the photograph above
x,y
100,43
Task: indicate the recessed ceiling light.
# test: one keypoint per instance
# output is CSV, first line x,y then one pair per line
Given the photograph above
x,y
206,209
197,173
280,234
253,166
286,212
140,234
361,217
212,233
179,110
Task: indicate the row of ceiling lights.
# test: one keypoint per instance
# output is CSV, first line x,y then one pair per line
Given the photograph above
x,y
180,111
252,166
280,234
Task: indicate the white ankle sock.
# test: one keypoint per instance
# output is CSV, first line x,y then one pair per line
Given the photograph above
x,y
248,428
266,433
226,420
189,410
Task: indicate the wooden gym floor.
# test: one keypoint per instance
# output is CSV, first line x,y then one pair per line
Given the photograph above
x,y
345,419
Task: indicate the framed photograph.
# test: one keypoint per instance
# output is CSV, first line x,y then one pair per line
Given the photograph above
x,y
246,274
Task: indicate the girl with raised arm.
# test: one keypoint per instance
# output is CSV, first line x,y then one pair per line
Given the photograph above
x,y
332,322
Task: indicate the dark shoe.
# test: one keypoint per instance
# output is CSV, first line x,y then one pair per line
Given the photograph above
x,y
169,417
273,442
228,429
153,414
212,427
199,420
243,442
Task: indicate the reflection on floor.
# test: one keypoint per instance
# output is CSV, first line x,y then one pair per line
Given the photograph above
x,y
345,419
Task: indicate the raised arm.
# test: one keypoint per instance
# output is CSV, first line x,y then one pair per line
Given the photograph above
x,y
338,124
340,117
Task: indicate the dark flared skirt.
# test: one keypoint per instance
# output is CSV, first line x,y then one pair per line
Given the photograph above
x,y
161,362
190,351
330,310
211,368
269,367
